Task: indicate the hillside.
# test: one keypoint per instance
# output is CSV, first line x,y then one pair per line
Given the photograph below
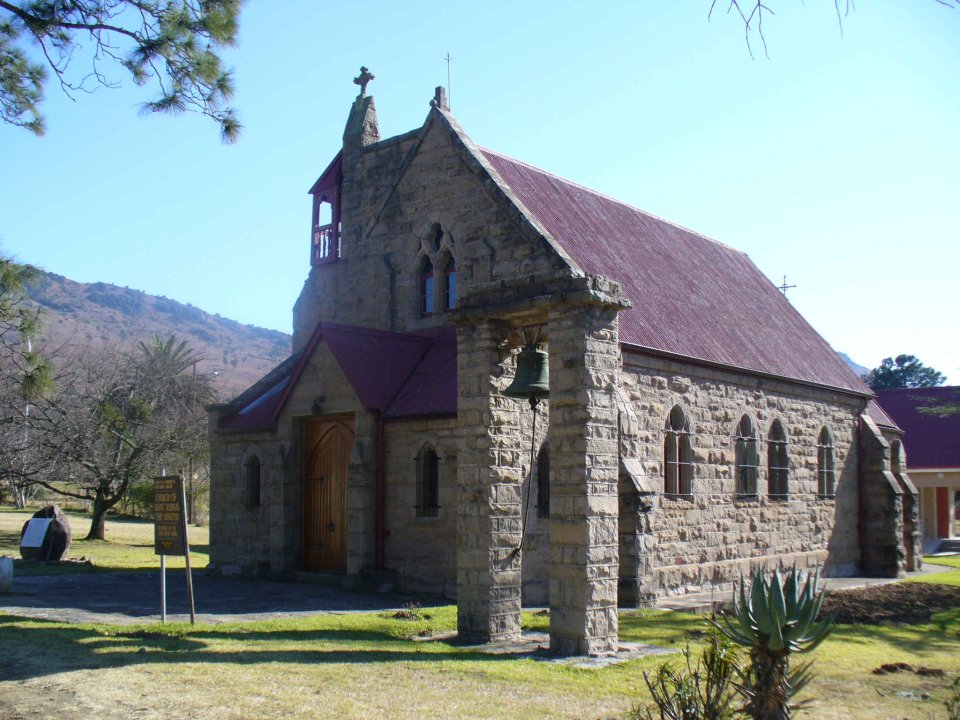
x,y
100,315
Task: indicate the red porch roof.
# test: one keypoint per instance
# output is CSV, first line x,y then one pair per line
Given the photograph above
x,y
395,374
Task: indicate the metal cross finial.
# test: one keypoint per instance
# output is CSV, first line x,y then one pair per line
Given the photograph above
x,y
448,59
362,80
783,288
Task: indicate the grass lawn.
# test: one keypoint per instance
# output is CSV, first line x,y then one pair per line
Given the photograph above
x,y
128,545
366,666
947,578
371,666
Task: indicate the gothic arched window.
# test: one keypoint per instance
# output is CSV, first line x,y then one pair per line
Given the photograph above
x,y
450,284
778,463
426,287
677,455
251,471
825,474
428,482
747,457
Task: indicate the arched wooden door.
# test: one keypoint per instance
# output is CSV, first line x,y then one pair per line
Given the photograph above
x,y
328,445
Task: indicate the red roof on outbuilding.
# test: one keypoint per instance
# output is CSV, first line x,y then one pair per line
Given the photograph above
x,y
692,296
930,419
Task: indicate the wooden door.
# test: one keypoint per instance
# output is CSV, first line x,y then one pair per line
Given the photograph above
x,y
328,445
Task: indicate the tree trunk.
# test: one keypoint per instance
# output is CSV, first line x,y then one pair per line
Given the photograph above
x,y
771,688
99,520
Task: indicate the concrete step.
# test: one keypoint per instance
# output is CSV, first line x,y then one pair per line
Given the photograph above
x,y
321,578
949,545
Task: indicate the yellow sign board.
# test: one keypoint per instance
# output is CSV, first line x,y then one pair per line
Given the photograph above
x,y
170,520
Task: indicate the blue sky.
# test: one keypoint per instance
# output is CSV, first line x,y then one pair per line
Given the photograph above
x,y
836,161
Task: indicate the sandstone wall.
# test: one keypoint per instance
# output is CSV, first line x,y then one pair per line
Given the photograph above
x,y
391,207
684,545
239,534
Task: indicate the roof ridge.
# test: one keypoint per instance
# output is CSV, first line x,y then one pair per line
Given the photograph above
x,y
625,204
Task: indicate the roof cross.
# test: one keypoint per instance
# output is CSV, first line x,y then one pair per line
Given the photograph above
x,y
783,288
362,80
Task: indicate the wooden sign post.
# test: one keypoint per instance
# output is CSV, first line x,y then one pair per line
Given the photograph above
x,y
170,533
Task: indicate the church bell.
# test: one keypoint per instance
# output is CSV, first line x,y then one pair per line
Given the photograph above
x,y
532,380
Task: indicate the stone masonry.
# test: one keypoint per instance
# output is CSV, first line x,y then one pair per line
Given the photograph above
x,y
430,198
488,492
584,370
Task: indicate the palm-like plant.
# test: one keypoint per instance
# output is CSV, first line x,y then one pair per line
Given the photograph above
x,y
775,619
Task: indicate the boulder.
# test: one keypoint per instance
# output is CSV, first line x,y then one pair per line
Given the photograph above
x,y
56,542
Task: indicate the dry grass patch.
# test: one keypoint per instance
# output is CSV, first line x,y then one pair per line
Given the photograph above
x,y
367,666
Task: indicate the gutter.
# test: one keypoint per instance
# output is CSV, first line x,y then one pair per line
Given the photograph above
x,y
860,483
381,499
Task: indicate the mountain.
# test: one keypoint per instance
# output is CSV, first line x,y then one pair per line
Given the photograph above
x,y
858,369
99,315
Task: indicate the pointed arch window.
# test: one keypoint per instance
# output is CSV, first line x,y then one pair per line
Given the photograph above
x,y
677,455
450,285
426,288
251,471
778,462
543,482
826,481
747,457
428,482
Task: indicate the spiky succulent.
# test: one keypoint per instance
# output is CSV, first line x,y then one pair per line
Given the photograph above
x,y
779,614
778,617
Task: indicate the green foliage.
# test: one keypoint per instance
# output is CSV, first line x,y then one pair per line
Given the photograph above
x,y
778,613
26,376
904,371
171,45
705,691
775,619
953,702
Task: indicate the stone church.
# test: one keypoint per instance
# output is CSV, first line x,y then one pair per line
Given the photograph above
x,y
689,425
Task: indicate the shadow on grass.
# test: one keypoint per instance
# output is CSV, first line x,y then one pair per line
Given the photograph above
x,y
942,634
45,648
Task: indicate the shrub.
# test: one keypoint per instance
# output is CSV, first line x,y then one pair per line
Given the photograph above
x,y
705,691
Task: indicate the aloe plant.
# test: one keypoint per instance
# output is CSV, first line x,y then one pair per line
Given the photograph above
x,y
776,618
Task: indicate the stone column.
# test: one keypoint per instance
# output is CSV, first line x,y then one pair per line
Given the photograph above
x,y
488,492
584,369
883,553
361,496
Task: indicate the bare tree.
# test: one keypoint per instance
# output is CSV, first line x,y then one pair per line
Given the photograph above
x,y
753,13
119,418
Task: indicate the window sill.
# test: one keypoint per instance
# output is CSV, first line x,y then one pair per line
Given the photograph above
x,y
329,260
747,497
779,498
826,496
678,496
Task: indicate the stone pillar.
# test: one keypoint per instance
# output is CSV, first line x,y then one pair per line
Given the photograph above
x,y
362,496
584,370
488,492
883,553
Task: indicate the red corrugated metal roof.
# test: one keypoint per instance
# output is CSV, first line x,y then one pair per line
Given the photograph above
x,y
330,177
397,374
432,386
691,295
877,414
931,438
